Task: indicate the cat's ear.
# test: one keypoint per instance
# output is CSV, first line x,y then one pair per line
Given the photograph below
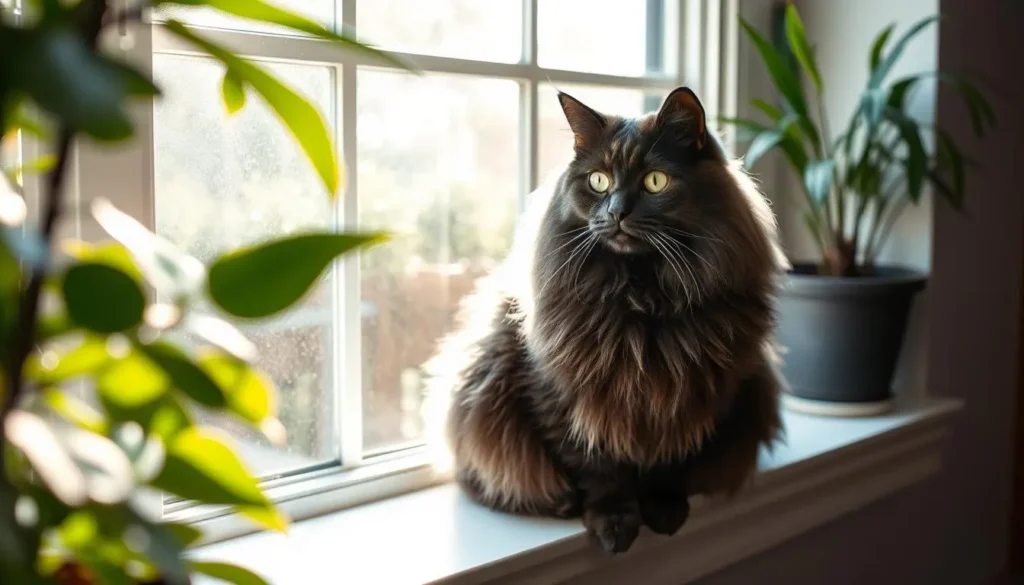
x,y
587,125
683,114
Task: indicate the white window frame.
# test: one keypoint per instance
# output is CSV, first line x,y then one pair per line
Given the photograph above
x,y
702,55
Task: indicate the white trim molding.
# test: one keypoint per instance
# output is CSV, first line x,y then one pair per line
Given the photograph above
x,y
828,467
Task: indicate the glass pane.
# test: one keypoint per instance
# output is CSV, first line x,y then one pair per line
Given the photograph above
x,y
601,36
321,11
438,168
485,30
223,182
554,138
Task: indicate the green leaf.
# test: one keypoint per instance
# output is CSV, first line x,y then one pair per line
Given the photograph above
x,y
818,178
75,411
887,63
186,534
261,11
978,107
186,375
916,164
82,88
950,159
785,79
773,112
78,530
301,118
266,516
797,37
899,91
225,572
250,394
945,189
233,91
878,45
873,102
240,282
21,120
111,254
170,419
102,298
131,388
51,367
760,146
201,467
168,269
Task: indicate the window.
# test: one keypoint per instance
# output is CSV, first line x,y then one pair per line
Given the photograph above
x,y
442,160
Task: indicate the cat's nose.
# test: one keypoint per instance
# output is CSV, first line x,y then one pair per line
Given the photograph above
x,y
618,207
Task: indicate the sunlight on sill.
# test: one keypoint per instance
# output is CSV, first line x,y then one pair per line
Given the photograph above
x,y
827,465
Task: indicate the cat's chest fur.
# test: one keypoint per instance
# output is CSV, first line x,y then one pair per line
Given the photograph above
x,y
630,368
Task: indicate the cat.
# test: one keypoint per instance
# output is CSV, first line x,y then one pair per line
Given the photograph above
x,y
619,361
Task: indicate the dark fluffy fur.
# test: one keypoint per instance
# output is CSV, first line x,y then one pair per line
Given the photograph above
x,y
611,376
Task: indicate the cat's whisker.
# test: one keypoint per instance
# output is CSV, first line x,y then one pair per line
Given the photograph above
x,y
575,251
583,232
675,258
653,226
579,269
660,247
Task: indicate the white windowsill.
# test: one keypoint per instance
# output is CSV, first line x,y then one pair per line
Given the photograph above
x,y
828,467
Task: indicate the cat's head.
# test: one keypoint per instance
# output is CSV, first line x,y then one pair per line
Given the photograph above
x,y
632,179
660,187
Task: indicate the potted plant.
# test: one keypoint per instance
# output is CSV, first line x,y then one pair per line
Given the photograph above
x,y
73,475
842,318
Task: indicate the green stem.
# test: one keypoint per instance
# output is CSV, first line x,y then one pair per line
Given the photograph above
x,y
825,143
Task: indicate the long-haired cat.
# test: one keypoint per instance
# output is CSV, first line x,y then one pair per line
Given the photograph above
x,y
619,361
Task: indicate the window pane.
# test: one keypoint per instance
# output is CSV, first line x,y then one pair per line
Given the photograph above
x,y
438,168
601,36
321,11
485,30
554,138
222,182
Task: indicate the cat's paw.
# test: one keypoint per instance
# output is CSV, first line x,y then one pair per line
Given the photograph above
x,y
614,531
665,515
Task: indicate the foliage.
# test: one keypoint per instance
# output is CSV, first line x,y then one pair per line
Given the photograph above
x,y
857,183
98,381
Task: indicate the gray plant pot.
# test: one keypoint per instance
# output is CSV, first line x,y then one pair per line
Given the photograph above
x,y
841,337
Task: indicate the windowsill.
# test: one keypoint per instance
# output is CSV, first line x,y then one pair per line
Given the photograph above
x,y
828,467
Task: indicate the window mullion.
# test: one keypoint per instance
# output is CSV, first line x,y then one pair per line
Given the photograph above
x,y
348,386
528,107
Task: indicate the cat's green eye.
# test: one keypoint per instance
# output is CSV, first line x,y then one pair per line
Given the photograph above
x,y
655,182
599,182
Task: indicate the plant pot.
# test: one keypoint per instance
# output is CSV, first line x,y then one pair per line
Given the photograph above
x,y
841,338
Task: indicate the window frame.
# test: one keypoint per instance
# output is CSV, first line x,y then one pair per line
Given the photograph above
x,y
701,52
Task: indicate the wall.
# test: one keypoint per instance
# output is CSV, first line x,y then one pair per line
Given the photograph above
x,y
952,529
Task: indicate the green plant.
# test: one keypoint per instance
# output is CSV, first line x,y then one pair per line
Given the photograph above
x,y
111,317
858,182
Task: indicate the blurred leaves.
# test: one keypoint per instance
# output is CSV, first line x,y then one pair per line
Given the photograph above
x,y
113,377
61,73
263,280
